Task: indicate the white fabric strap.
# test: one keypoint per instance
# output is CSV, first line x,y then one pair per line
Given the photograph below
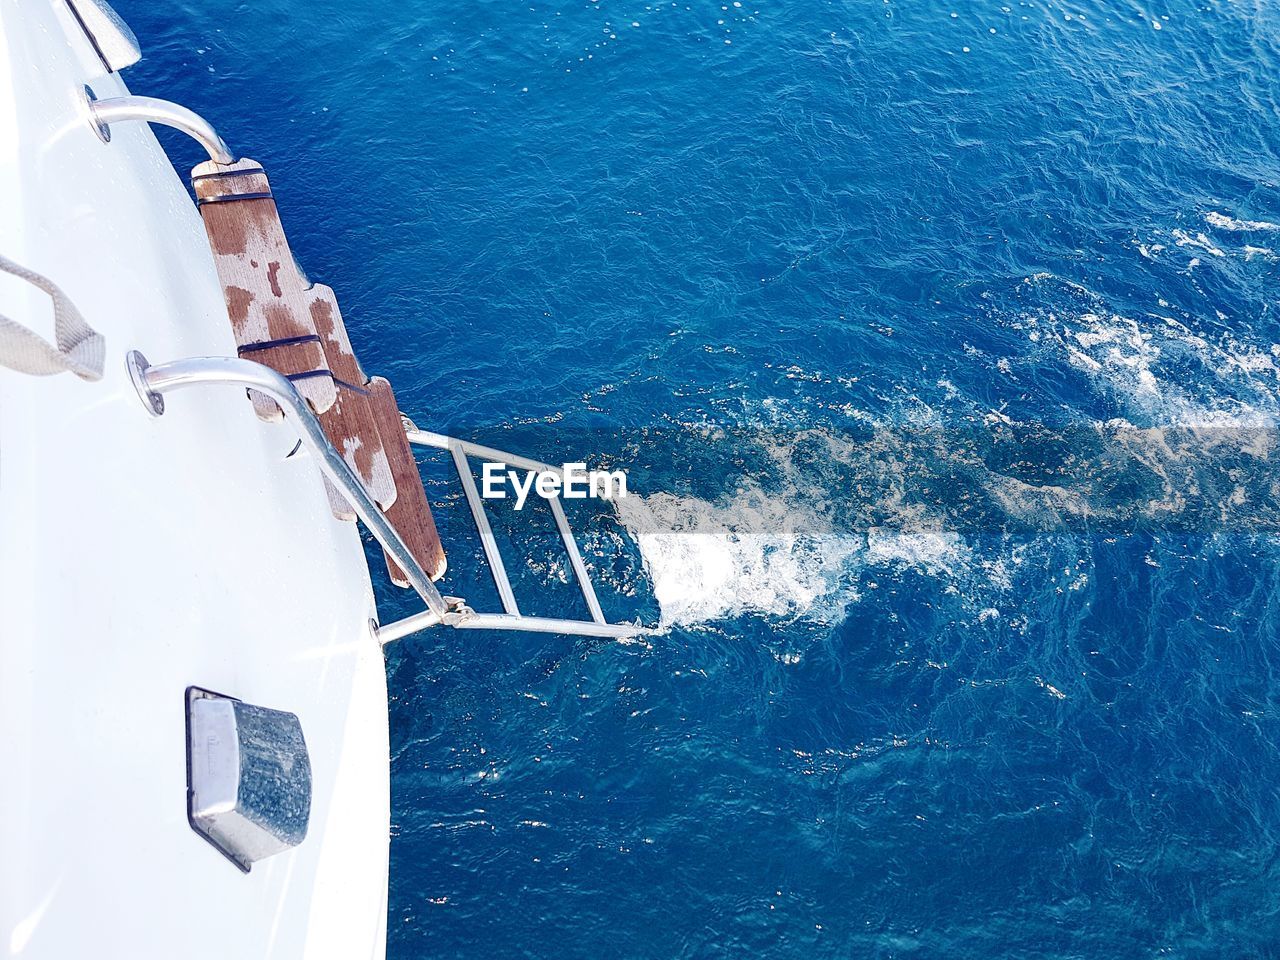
x,y
80,349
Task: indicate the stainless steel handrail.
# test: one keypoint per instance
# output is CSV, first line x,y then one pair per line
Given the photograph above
x,y
154,381
103,113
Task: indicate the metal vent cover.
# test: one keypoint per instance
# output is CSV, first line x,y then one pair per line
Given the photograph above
x,y
248,777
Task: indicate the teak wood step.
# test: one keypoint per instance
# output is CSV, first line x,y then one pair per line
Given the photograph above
x,y
411,513
282,320
267,296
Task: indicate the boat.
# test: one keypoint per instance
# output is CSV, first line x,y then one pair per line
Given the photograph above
x,y
193,695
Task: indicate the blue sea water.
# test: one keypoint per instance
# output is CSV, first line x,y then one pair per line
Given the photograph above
x,y
938,342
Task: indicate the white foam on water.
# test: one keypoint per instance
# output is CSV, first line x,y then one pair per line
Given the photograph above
x,y
933,552
1199,241
1144,362
796,550
713,561
770,555
1223,222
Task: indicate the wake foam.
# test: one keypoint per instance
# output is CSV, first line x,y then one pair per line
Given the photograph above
x,y
1224,222
957,493
709,561
1160,369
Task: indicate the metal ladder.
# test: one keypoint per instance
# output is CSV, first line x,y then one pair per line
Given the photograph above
x,y
153,382
511,618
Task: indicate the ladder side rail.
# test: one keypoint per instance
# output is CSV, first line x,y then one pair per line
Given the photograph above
x,y
442,442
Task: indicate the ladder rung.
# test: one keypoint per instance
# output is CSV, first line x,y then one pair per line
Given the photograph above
x,y
575,558
496,566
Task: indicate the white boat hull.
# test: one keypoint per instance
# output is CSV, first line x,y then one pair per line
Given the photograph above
x,y
139,556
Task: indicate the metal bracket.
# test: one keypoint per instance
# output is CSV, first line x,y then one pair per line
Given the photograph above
x,y
137,365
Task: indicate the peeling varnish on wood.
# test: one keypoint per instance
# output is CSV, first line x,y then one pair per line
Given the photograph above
x,y
262,304
350,422
268,299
